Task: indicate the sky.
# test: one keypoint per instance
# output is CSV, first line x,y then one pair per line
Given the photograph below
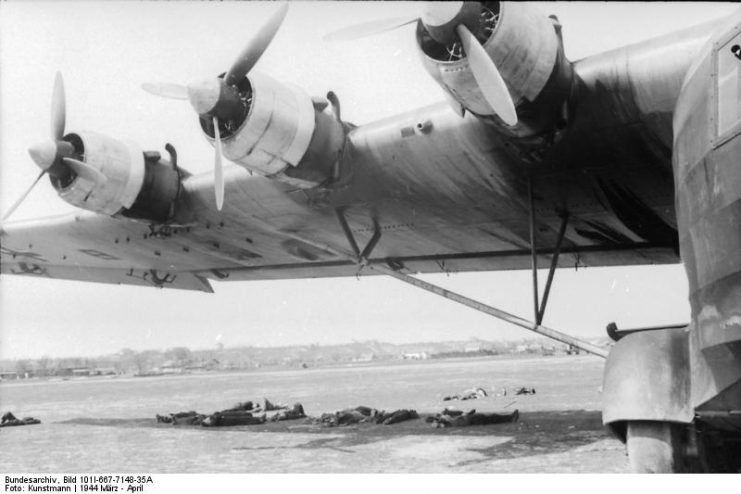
x,y
106,50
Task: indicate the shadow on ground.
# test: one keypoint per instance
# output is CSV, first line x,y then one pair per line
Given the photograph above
x,y
536,433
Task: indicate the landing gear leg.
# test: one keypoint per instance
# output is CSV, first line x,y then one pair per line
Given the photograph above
x,y
654,447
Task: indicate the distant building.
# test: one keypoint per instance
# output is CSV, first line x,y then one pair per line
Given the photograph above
x,y
171,368
365,357
209,365
415,356
42,372
8,375
104,371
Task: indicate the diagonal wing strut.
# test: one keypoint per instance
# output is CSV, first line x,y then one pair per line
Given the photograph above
x,y
362,259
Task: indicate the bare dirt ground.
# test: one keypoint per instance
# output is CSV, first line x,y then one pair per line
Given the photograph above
x,y
550,441
571,441
111,426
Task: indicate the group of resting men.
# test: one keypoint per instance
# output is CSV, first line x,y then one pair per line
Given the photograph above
x,y
249,413
246,413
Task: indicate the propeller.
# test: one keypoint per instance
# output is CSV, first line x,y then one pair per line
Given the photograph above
x,y
218,172
58,108
369,28
218,99
55,156
447,22
487,76
166,90
23,196
85,171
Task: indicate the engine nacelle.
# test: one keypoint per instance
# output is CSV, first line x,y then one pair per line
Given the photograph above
x,y
526,47
139,184
284,133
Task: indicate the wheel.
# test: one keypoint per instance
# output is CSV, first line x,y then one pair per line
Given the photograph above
x,y
653,447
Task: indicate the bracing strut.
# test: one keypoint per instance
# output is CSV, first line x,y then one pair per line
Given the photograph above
x,y
486,309
539,307
393,269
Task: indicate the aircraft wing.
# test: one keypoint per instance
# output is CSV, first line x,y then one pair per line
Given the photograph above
x,y
76,247
265,232
585,164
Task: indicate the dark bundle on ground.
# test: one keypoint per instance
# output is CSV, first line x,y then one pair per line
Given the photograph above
x,y
247,406
471,418
182,418
347,416
388,418
10,420
231,417
469,394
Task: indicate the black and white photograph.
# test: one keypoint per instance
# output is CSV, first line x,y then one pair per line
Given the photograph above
x,y
326,237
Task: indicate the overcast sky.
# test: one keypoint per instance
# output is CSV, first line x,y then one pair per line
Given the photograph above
x,y
106,50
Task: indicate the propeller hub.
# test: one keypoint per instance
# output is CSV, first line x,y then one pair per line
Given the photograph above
x,y
44,154
204,95
214,98
441,19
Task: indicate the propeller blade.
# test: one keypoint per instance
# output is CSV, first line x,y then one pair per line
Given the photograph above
x,y
58,110
166,90
218,172
23,197
85,171
255,48
369,28
487,76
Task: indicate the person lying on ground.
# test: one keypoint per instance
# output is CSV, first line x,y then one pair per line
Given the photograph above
x,y
171,417
473,418
395,417
181,418
347,416
239,414
9,420
274,406
525,391
232,417
468,394
247,406
297,412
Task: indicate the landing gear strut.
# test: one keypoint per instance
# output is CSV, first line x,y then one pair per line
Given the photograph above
x,y
654,447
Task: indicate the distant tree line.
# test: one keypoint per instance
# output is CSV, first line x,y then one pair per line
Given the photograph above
x,y
183,359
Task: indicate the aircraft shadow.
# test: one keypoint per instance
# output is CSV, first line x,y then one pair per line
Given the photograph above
x,y
536,433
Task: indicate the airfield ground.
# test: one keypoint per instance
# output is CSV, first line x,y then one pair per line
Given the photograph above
x,y
109,425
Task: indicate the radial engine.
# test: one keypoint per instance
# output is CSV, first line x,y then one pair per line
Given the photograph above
x,y
138,184
525,47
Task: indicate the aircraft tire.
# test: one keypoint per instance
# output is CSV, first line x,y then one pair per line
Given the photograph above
x,y
653,447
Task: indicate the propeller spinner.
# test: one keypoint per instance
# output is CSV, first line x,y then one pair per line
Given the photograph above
x,y
55,156
447,22
218,99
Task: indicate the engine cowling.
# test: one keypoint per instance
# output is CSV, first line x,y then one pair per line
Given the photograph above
x,y
282,133
526,48
138,184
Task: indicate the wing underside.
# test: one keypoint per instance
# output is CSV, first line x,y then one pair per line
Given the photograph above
x,y
94,248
